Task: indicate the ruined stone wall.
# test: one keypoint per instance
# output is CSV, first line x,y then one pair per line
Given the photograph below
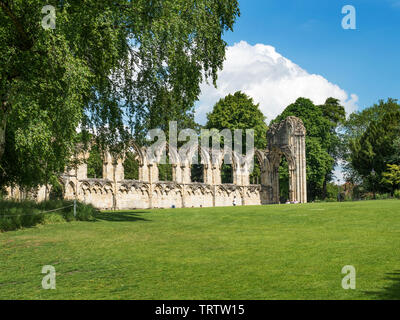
x,y
113,192
130,194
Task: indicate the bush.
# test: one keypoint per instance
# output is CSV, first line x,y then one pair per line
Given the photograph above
x,y
15,215
383,196
397,194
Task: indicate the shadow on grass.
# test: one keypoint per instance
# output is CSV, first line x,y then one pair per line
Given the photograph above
x,y
390,292
120,216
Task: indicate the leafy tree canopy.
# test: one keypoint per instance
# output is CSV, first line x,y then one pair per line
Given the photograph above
x,y
355,126
392,176
238,111
359,121
107,64
374,149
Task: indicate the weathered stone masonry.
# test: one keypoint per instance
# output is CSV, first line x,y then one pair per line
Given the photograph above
x,y
114,192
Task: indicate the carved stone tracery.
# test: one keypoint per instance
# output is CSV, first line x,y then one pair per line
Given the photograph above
x,y
286,138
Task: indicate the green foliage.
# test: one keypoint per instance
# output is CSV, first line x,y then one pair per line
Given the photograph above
x,y
131,167
332,191
255,176
95,163
105,65
392,176
23,214
197,173
355,127
359,121
238,111
15,215
226,174
382,196
397,194
165,170
57,190
371,152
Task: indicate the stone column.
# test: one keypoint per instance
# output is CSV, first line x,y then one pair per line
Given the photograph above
x,y
303,170
207,174
216,173
153,172
119,170
81,169
176,173
186,173
108,167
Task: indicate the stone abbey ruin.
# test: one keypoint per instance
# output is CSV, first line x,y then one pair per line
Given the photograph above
x,y
112,191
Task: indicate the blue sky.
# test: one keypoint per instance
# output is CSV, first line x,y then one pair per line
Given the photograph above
x,y
281,50
364,61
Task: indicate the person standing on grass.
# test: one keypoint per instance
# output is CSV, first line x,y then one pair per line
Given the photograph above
x,y
234,201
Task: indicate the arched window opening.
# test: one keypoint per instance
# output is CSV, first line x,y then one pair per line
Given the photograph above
x,y
197,173
226,173
255,175
165,171
95,163
197,169
57,190
284,180
131,166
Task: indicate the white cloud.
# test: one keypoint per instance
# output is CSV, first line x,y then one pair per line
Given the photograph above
x,y
270,79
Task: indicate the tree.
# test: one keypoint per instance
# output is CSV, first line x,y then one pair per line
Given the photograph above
x,y
95,163
321,153
107,65
238,111
392,176
372,151
354,128
131,167
359,121
336,114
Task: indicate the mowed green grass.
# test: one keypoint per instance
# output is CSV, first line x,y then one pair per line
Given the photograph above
x,y
263,252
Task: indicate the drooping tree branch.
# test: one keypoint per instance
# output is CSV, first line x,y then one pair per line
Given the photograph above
x,y
25,42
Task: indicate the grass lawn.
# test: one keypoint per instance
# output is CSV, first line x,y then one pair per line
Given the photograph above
x,y
264,252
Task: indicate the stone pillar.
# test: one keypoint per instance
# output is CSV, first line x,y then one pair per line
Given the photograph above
x,y
186,173
108,167
303,171
245,174
144,174
275,185
153,173
183,196
299,169
292,183
216,175
237,176
118,176
177,173
207,174
119,170
81,169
